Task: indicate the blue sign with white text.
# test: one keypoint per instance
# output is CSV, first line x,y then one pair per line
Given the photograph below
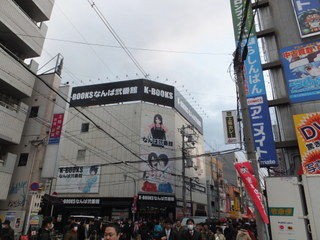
x,y
262,131
253,70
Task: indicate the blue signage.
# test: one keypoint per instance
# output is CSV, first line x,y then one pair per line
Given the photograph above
x,y
262,131
301,66
253,70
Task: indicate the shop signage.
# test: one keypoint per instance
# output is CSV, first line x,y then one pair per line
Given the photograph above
x,y
281,211
307,128
187,111
230,127
160,198
307,14
56,128
300,64
84,201
255,86
124,91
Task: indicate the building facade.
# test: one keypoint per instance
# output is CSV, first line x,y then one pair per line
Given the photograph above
x,y
127,161
290,48
22,37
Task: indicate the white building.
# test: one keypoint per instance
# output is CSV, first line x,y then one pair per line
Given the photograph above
x,y
133,149
26,104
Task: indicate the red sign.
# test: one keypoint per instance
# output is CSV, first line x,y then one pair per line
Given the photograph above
x,y
250,182
56,128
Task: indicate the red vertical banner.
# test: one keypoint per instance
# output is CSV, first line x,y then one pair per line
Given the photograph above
x,y
250,182
56,128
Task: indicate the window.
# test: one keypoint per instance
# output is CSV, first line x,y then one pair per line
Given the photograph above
x,y
23,160
85,127
81,155
34,112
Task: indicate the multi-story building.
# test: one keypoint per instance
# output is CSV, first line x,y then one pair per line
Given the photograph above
x,y
123,155
289,37
22,35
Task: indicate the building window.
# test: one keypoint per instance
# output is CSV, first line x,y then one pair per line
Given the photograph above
x,y
23,160
34,112
81,155
85,127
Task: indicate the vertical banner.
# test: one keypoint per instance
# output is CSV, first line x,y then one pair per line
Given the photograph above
x,y
255,87
230,127
301,66
308,16
307,128
246,174
56,128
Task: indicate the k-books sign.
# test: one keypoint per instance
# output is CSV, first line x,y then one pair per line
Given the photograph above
x,y
125,91
255,87
186,110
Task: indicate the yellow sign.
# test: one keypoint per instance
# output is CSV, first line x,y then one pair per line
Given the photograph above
x,y
307,128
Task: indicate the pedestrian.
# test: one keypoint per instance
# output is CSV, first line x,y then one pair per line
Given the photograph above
x,y
44,232
243,234
112,232
230,232
206,233
169,233
157,232
190,233
7,232
72,234
219,235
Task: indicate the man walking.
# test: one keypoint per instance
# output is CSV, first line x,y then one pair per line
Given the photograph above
x,y
190,233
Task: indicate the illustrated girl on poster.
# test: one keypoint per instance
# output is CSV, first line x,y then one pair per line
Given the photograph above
x,y
158,130
91,180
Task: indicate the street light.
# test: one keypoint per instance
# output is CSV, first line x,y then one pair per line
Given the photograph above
x,y
125,176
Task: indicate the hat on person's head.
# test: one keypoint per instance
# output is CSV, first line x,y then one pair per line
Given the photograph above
x,y
6,222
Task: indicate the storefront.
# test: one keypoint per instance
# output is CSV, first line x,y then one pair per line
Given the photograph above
x,y
156,206
108,208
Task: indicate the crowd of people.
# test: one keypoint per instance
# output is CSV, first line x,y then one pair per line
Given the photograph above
x,y
125,229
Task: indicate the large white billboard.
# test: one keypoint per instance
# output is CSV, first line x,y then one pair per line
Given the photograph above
x,y
84,179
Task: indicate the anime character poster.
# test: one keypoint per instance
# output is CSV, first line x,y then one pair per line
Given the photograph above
x,y
301,65
78,179
157,170
308,16
157,129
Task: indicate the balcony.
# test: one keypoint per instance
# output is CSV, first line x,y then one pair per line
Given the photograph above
x,y
38,10
12,119
15,80
7,163
19,33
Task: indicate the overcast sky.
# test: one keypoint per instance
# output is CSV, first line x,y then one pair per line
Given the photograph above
x,y
201,29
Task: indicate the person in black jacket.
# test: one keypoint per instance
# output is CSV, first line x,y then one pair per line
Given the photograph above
x,y
190,233
169,233
45,230
7,232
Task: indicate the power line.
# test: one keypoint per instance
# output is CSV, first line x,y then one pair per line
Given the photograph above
x,y
117,38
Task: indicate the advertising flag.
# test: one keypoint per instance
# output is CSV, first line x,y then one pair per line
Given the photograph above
x,y
307,128
245,171
308,16
301,66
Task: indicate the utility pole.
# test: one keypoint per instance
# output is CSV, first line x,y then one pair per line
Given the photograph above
x,y
217,187
184,200
248,137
